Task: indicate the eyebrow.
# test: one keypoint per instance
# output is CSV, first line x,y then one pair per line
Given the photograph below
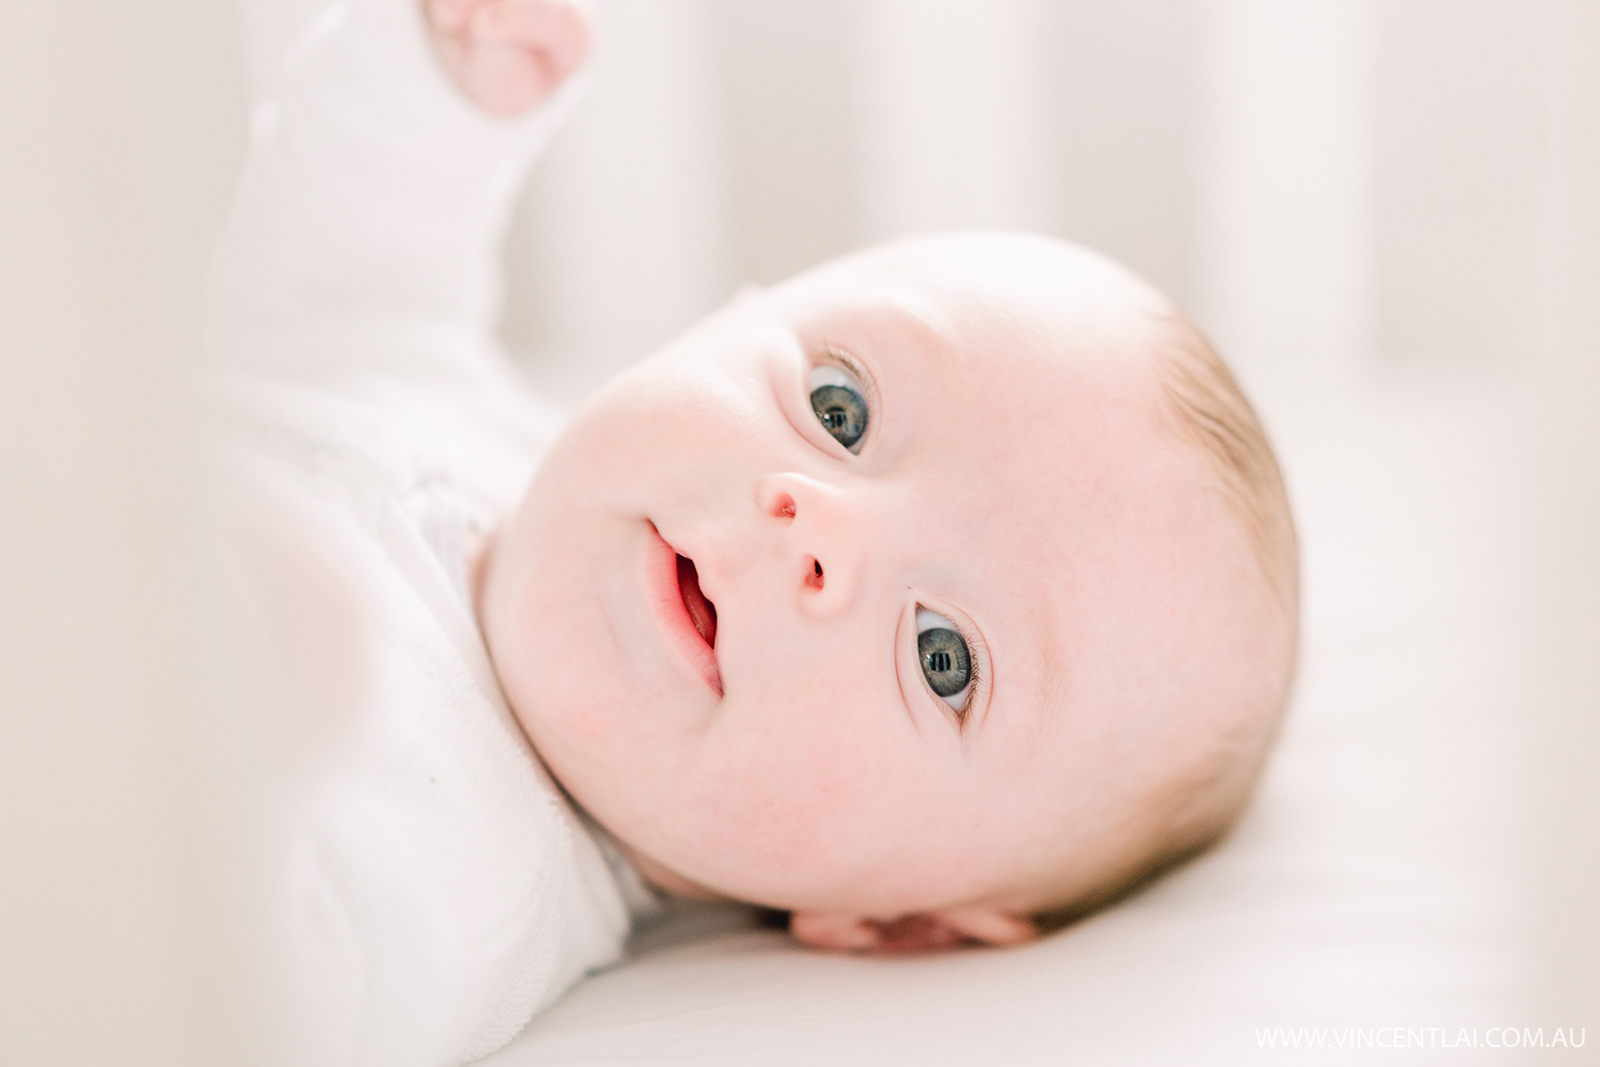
x,y
906,311
917,312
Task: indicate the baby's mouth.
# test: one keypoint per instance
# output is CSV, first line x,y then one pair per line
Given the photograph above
x,y
702,612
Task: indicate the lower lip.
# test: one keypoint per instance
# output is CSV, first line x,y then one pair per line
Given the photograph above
x,y
666,600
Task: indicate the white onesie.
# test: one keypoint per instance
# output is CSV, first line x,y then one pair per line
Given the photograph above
x,y
425,888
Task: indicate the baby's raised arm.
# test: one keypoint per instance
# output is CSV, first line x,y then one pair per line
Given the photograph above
x,y
381,172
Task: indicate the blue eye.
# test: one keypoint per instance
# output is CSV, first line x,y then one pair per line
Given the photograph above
x,y
946,661
838,403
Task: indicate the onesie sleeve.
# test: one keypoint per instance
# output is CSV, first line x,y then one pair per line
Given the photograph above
x,y
364,238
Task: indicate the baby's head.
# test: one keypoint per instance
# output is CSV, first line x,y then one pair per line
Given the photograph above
x,y
950,582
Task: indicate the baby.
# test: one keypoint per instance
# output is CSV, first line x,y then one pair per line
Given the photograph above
x,y
940,594
952,581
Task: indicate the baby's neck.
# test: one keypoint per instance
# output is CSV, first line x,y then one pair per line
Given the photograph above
x,y
665,880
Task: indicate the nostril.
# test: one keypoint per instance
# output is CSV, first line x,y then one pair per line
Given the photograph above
x,y
814,579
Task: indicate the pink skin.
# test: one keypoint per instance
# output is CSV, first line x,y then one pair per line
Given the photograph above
x,y
508,55
1018,475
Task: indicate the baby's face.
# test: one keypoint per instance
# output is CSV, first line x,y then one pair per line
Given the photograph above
x,y
884,590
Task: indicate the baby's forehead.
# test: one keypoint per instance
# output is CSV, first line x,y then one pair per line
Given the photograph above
x,y
984,275
1000,374
1002,311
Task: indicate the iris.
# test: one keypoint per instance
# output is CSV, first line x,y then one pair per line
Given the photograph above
x,y
838,404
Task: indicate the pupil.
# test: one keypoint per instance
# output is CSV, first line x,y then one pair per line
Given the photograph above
x,y
945,660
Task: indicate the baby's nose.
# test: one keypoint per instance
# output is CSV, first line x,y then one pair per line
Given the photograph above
x,y
821,539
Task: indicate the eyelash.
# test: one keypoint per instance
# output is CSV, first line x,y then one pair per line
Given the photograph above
x,y
965,710
848,362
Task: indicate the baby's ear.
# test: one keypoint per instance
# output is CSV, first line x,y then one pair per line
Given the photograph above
x,y
921,932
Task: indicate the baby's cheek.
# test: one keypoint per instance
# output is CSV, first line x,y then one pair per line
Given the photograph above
x,y
792,809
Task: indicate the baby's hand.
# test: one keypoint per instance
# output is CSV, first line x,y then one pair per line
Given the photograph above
x,y
508,55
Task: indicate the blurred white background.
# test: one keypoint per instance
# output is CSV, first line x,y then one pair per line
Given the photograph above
x,y
1333,189
1385,212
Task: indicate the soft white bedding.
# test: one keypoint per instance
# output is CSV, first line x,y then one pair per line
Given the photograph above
x,y
1381,880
